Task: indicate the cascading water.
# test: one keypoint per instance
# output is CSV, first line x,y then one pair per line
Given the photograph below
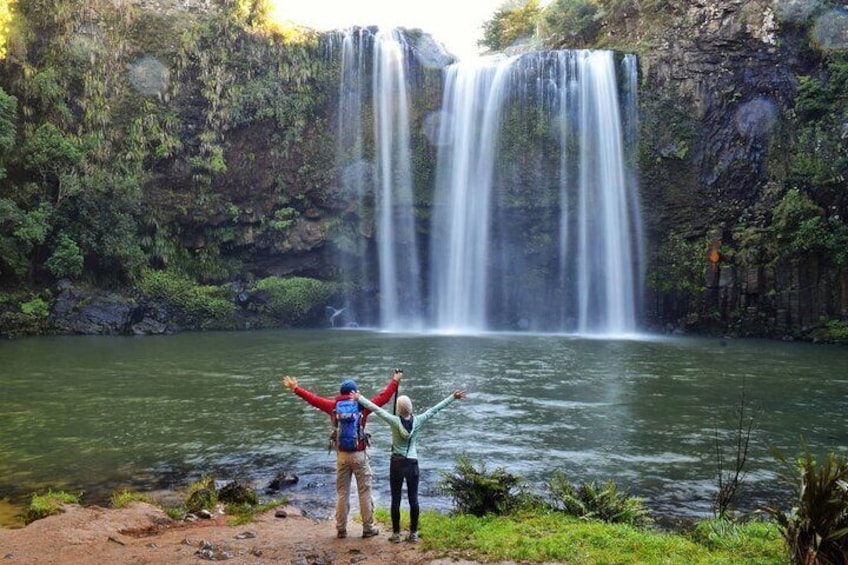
x,y
386,179
468,147
400,272
515,246
535,223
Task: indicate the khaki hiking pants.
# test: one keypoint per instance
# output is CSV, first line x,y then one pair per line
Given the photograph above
x,y
349,464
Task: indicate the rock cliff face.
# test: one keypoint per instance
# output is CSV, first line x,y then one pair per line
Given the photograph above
x,y
718,89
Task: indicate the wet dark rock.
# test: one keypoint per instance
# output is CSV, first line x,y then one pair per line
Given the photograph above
x,y
79,310
236,492
282,480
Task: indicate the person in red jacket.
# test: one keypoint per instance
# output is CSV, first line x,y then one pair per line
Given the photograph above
x,y
350,463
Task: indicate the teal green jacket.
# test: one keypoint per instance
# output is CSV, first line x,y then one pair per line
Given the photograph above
x,y
403,442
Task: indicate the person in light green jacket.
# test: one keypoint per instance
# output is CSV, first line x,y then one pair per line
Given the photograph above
x,y
404,463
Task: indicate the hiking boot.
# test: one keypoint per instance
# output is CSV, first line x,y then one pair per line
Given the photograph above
x,y
395,537
341,534
370,533
413,537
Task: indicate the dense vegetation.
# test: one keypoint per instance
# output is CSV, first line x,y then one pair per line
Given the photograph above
x,y
117,133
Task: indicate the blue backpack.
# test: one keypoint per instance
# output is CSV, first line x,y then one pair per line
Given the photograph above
x,y
348,424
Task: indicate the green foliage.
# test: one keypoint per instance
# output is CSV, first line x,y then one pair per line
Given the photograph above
x,y
36,308
816,528
50,151
203,302
201,495
680,266
293,300
50,503
283,219
510,25
554,537
597,502
571,23
122,499
66,260
832,331
479,492
800,227
8,116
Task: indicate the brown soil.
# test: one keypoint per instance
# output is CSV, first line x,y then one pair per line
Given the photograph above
x,y
144,534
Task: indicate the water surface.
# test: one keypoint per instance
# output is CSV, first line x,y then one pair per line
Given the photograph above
x,y
100,413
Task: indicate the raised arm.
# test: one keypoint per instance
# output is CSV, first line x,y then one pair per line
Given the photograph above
x,y
388,417
389,391
455,395
324,404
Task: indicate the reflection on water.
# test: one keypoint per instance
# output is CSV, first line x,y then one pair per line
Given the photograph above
x,y
101,413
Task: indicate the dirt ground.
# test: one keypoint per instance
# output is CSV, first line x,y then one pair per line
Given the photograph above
x,y
144,534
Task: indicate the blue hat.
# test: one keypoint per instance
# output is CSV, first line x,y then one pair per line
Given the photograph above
x,y
348,386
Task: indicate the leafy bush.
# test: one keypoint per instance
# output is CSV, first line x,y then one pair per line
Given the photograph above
x,y
293,300
195,300
67,259
599,502
36,308
202,495
800,227
43,505
478,492
816,528
835,331
510,25
571,23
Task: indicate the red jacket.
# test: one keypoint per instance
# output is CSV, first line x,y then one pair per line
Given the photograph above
x,y
329,405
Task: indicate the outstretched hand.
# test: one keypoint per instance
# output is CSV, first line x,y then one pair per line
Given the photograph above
x,y
397,375
459,394
290,382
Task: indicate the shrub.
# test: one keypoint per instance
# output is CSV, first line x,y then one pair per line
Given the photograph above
x,y
43,505
201,495
478,492
600,502
66,260
293,300
816,528
198,301
37,308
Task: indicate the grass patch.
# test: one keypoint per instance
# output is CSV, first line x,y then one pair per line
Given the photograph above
x,y
542,536
244,513
43,505
122,499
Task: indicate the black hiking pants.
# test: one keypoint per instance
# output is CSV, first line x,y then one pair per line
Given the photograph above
x,y
404,469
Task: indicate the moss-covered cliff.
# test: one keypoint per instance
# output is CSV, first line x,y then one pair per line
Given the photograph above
x,y
743,166
197,140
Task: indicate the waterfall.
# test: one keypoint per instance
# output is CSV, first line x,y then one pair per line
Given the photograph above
x,y
378,169
400,275
473,100
535,222
545,237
